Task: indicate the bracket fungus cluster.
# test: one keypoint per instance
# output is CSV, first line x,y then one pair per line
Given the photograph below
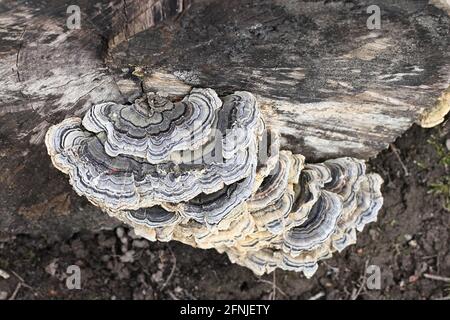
x,y
208,171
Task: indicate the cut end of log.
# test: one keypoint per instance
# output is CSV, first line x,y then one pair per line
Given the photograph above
x,y
437,115
442,4
139,16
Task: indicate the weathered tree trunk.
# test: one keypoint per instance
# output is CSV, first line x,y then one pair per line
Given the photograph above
x,y
332,86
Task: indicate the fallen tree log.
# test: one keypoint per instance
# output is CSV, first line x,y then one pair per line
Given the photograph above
x,y
332,86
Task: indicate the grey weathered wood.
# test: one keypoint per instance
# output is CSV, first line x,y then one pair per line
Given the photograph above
x,y
49,72
329,84
334,86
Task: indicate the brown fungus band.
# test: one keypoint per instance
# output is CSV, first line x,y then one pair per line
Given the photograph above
x,y
208,172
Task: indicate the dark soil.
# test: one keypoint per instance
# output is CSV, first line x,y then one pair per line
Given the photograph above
x,y
409,242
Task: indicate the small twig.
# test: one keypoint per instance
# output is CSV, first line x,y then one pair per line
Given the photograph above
x,y
16,291
443,298
4,274
271,283
435,277
173,268
172,295
397,154
21,283
317,296
274,285
18,277
356,293
334,269
215,274
429,257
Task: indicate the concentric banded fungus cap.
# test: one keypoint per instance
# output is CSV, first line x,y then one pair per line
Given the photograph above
x,y
155,131
319,226
238,122
211,209
130,183
210,173
153,217
225,236
273,186
268,154
334,210
272,202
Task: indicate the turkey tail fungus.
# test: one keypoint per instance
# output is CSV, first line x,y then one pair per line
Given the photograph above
x,y
208,172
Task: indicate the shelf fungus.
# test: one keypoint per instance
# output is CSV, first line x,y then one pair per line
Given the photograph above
x,y
208,172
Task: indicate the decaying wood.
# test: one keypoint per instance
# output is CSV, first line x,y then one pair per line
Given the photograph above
x,y
142,15
334,86
328,83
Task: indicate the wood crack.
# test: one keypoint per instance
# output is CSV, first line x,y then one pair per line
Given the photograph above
x,y
18,54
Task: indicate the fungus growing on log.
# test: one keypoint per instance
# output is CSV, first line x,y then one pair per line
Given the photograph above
x,y
210,173
155,128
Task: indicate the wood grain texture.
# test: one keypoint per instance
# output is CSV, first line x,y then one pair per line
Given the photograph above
x,y
48,73
330,85
334,87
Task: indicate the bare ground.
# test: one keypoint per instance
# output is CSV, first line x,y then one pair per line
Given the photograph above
x,y
410,243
